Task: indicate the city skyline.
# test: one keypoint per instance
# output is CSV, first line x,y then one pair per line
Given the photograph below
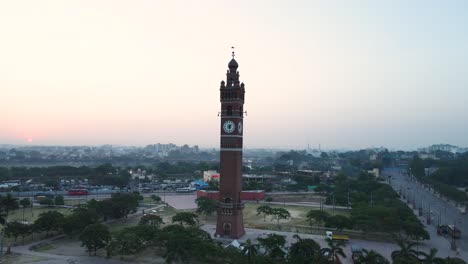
x,y
344,76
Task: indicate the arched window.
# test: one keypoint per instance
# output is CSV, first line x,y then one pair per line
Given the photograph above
x,y
227,198
229,110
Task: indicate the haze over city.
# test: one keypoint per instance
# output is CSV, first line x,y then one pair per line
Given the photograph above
x,y
348,75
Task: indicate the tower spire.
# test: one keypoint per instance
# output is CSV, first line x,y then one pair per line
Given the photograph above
x,y
233,52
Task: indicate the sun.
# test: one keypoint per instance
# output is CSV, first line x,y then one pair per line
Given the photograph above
x,y
29,140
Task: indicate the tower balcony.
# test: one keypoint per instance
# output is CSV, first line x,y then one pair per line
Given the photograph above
x,y
231,205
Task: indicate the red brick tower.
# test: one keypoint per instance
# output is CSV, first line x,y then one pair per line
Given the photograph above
x,y
229,213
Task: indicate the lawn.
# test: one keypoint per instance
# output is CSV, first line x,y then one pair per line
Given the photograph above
x,y
31,215
296,222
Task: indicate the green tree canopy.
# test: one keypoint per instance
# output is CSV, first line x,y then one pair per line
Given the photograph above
x,y
187,218
407,252
339,222
152,220
80,218
334,249
205,206
265,210
9,203
59,200
280,214
317,216
372,257
273,245
303,251
156,198
49,221
94,237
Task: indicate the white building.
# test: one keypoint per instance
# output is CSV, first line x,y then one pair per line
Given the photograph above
x,y
211,175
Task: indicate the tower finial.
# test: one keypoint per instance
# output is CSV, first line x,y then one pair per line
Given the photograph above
x,y
233,53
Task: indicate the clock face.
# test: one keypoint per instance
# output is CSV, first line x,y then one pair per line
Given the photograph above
x,y
239,127
229,126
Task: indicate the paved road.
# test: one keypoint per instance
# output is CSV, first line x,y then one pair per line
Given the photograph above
x,y
433,207
307,204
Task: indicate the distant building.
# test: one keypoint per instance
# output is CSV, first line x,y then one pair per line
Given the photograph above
x,y
309,172
375,172
9,184
244,196
199,184
258,178
428,156
211,175
443,147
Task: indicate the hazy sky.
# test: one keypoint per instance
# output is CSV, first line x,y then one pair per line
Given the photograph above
x,y
343,74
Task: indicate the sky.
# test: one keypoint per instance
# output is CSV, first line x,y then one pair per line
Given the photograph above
x,y
342,74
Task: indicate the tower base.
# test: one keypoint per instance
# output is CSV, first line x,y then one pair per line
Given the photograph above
x,y
230,223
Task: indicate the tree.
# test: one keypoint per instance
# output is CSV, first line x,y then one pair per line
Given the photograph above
x,y
94,237
339,222
406,253
265,210
372,257
273,245
205,206
120,205
156,198
213,185
59,200
430,258
279,213
80,218
47,201
187,218
417,167
317,216
9,203
25,202
186,243
250,250
303,251
48,221
152,220
15,229
126,242
334,249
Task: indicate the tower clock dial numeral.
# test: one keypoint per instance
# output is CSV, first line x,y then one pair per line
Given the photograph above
x,y
239,127
229,126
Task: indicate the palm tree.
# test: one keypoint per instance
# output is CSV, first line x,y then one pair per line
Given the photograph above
x,y
334,249
9,203
304,251
250,250
406,253
273,245
372,257
431,257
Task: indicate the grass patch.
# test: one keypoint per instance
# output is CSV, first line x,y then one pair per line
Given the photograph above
x,y
43,247
31,215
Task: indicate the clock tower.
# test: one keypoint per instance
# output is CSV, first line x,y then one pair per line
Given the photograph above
x,y
229,207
